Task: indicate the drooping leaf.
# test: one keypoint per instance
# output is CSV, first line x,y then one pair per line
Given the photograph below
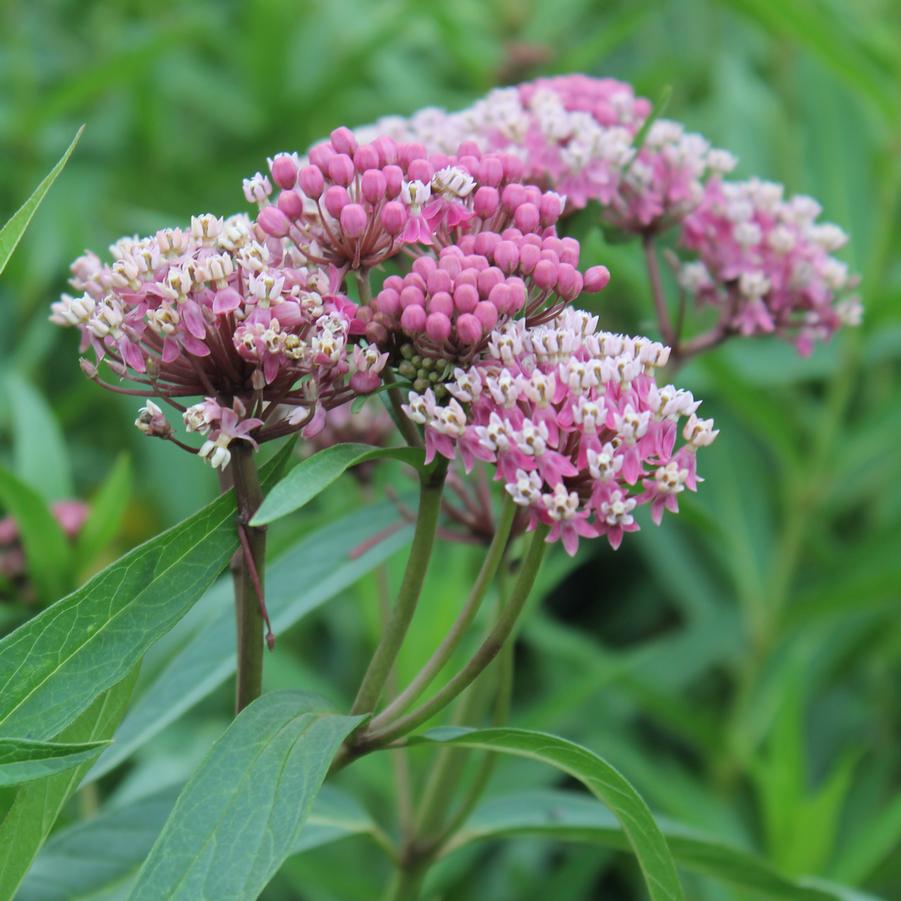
x,y
573,817
313,475
36,805
208,659
47,551
39,451
107,509
24,760
643,834
241,814
53,666
12,232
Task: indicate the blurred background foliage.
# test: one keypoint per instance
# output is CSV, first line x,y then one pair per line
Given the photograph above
x,y
740,665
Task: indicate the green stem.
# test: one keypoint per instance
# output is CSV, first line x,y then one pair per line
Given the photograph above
x,y
443,652
406,883
382,731
650,257
430,489
248,615
407,428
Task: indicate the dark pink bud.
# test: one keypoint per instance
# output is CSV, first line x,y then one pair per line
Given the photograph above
x,y
441,302
440,160
284,170
467,276
439,280
413,320
488,278
353,220
513,167
485,202
486,313
365,382
387,150
412,296
424,267
395,282
506,255
485,242
569,282
376,333
512,196
469,329
569,251
321,154
471,163
529,255
469,148
373,185
550,208
420,170
501,299
394,217
545,274
394,180
274,222
291,204
336,198
388,302
476,262
415,279
517,289
492,171
341,169
465,298
532,195
438,327
406,153
527,217
343,140
450,264
312,182
366,157
596,279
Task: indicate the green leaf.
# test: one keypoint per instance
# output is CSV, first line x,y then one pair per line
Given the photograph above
x,y
644,836
107,509
572,817
12,232
53,666
208,659
100,858
313,475
23,760
242,812
47,551
35,806
39,450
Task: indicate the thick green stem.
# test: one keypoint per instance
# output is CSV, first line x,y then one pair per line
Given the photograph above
x,y
406,883
443,652
381,731
247,575
431,487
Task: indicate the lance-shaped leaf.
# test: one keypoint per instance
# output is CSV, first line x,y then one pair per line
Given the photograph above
x,y
316,569
643,834
12,232
241,813
568,816
24,760
36,805
313,475
53,666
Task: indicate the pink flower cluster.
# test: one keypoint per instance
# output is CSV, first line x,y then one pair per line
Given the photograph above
x,y
354,205
574,423
448,307
767,263
219,311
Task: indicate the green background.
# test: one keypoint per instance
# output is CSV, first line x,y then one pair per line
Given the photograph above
x,y
741,663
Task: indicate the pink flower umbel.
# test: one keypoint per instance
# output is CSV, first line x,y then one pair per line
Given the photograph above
x,y
574,423
215,311
767,263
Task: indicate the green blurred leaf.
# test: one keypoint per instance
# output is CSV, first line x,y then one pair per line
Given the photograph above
x,y
47,551
208,659
39,451
12,232
24,760
242,812
107,509
312,476
606,783
572,817
53,666
35,806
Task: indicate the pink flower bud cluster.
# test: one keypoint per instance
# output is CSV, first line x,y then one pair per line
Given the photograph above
x,y
767,263
217,311
575,424
353,205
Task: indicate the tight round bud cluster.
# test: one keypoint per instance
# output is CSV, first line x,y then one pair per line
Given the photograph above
x,y
768,264
443,310
574,423
353,204
214,311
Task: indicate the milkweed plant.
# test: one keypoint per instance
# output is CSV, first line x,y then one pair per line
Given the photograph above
x,y
408,291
